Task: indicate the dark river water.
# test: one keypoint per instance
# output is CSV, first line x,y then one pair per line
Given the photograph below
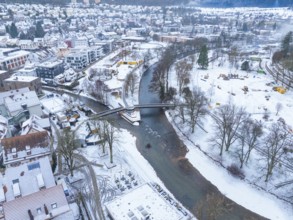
x,y
167,155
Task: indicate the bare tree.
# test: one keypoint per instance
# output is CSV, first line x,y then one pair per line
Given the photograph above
x,y
67,144
159,82
192,59
279,107
100,91
110,137
213,207
196,107
233,54
180,109
182,69
249,134
227,120
100,128
130,83
276,143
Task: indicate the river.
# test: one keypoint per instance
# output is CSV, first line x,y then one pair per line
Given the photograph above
x,y
167,155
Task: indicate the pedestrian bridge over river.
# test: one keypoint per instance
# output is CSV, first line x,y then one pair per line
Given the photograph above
x,y
132,108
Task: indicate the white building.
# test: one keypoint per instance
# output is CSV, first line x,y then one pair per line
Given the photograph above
x,y
27,45
30,177
11,59
49,203
80,42
143,203
28,70
80,58
21,102
25,148
77,59
3,95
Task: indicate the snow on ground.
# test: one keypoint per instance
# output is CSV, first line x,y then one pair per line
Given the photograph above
x,y
259,99
127,159
237,190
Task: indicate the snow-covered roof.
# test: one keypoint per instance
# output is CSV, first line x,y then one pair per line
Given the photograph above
x,y
14,103
16,148
53,105
140,203
18,208
50,64
2,72
13,55
21,79
12,93
29,176
36,123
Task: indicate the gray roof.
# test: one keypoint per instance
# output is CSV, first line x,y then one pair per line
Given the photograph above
x,y
11,93
14,103
18,208
27,176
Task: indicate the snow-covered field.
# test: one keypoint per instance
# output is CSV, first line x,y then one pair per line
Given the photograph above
x,y
259,99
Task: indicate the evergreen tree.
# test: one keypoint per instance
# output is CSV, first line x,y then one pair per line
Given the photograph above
x,y
203,60
22,36
245,66
285,45
39,30
13,31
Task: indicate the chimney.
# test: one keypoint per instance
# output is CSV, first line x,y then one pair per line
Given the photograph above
x,y
28,150
24,106
46,209
30,214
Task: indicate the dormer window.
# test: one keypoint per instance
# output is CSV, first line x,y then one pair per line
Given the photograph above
x,y
54,205
39,210
14,154
28,150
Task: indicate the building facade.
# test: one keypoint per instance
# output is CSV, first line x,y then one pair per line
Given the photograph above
x,y
78,59
18,82
49,70
11,59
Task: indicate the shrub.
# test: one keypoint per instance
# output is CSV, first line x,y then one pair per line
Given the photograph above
x,y
236,171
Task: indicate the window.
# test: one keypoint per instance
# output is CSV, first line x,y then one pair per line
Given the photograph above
x,y
54,205
33,166
15,181
39,210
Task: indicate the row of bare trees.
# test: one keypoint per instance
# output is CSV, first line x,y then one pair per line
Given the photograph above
x,y
234,128
235,131
159,82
